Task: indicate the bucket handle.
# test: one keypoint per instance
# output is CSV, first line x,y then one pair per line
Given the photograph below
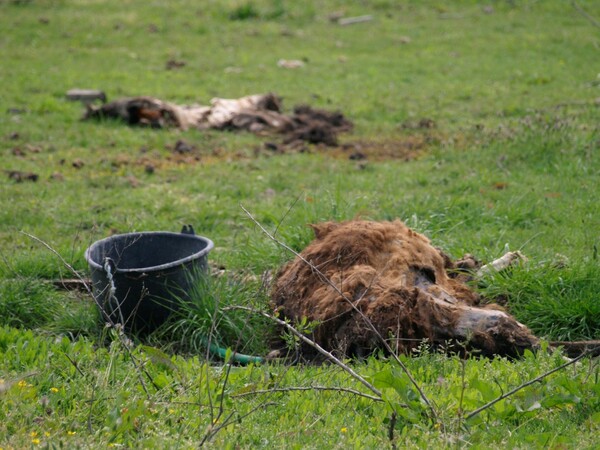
x,y
188,229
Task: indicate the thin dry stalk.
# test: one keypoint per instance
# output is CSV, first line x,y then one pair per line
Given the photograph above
x,y
524,385
391,427
213,430
74,364
316,346
309,388
66,264
123,339
367,321
585,14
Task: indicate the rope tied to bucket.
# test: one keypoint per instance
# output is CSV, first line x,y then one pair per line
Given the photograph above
x,y
112,290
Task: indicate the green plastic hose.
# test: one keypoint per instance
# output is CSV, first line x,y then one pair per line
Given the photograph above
x,y
236,357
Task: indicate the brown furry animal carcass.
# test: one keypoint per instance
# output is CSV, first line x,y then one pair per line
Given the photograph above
x,y
390,275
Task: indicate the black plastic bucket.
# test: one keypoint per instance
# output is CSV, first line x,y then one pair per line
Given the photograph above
x,y
138,276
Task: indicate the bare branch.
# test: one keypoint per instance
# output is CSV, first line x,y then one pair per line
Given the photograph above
x,y
213,430
123,339
524,385
353,305
581,11
67,265
309,388
316,346
391,427
74,363
91,402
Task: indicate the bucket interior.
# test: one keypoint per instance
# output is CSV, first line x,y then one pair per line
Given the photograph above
x,y
148,251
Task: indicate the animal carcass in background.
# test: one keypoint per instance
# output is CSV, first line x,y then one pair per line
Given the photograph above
x,y
256,113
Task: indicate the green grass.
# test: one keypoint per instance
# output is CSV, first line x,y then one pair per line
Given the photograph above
x,y
208,317
558,303
513,159
74,395
32,303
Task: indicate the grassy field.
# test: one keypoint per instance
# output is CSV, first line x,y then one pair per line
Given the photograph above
x,y
511,91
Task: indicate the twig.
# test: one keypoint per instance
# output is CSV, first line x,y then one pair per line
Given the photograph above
x,y
9,383
316,346
353,20
463,387
124,340
91,401
391,429
222,400
208,346
70,284
309,388
286,214
212,431
74,363
67,265
581,11
353,305
524,385
8,264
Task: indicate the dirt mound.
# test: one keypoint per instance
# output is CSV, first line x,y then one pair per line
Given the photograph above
x,y
388,274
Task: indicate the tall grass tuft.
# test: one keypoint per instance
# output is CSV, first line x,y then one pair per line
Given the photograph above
x,y
209,316
32,303
557,302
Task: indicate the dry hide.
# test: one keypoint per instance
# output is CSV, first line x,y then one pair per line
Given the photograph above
x,y
391,276
255,113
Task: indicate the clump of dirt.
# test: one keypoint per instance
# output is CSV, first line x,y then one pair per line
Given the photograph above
x,y
388,275
316,126
423,123
404,148
19,176
182,147
172,64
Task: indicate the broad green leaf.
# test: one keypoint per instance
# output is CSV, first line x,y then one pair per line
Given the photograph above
x,y
159,357
485,389
560,399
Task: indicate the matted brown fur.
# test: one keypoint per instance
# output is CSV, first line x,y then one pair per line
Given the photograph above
x,y
393,277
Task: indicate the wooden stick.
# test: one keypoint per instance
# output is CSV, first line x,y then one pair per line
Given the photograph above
x,y
524,385
352,20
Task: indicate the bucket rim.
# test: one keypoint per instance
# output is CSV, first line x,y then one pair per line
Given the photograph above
x,y
209,246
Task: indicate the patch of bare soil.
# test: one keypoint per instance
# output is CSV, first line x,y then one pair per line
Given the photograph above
x,y
386,274
404,149
20,176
